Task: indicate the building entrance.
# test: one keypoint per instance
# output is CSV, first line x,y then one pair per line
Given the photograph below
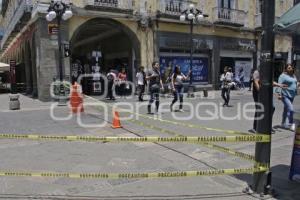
x,y
101,45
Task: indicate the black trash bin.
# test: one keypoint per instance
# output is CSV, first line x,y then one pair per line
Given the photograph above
x,y
205,93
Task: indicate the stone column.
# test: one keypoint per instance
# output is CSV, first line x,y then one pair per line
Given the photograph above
x,y
28,69
47,58
215,64
147,47
34,60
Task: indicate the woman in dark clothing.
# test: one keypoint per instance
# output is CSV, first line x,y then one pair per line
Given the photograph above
x,y
155,86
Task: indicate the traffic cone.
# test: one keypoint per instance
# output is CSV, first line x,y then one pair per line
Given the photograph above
x,y
76,99
116,120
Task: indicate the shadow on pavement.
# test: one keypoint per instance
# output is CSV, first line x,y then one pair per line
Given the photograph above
x,y
151,197
284,188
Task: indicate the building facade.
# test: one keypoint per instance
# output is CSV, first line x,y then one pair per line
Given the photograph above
x,y
130,33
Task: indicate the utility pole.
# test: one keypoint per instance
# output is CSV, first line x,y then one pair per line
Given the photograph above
x,y
60,62
262,180
191,54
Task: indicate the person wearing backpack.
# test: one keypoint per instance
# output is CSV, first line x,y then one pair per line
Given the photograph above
x,y
177,79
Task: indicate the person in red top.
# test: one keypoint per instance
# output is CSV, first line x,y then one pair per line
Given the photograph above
x,y
122,78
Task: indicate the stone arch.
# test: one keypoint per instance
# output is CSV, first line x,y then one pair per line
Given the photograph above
x,y
104,27
113,23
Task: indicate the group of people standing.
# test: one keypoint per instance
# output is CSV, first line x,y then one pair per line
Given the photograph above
x,y
154,80
156,86
285,90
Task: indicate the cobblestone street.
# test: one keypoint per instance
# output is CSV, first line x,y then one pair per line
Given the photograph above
x,y
81,157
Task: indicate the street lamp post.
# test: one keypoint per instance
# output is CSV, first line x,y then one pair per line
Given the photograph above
x,y
192,15
61,10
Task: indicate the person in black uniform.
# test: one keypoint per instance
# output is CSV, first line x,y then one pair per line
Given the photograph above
x,y
155,86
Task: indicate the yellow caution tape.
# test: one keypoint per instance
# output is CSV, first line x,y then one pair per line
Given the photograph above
x,y
208,145
232,132
183,139
135,175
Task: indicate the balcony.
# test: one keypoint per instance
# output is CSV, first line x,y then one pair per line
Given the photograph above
x,y
121,6
229,17
172,8
21,15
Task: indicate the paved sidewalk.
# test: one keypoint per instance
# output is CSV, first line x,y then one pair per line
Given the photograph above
x,y
26,103
34,117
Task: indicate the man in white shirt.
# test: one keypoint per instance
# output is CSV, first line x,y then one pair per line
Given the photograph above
x,y
226,79
141,82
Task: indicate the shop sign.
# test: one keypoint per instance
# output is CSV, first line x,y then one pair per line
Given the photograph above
x,y
200,67
97,87
244,67
52,29
247,45
183,43
240,45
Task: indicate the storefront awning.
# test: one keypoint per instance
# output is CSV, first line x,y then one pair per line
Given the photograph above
x,y
290,21
4,67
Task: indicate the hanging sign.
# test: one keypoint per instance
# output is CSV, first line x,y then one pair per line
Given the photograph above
x,y
52,29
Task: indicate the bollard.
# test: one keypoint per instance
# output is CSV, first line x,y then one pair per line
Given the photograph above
x,y
295,163
205,93
14,103
76,99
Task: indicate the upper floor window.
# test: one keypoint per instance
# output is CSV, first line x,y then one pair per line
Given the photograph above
x,y
230,4
259,5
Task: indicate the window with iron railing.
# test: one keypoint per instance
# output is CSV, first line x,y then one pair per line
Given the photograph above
x,y
119,4
106,3
229,4
173,7
231,16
